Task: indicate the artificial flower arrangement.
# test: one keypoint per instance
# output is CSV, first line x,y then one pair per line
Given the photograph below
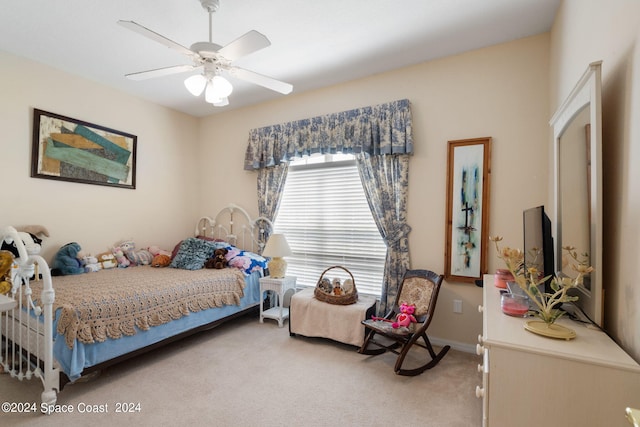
x,y
529,280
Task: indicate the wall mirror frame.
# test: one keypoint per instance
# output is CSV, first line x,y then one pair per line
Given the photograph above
x,y
577,136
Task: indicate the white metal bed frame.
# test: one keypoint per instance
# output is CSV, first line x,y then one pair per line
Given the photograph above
x,y
18,356
26,349
252,233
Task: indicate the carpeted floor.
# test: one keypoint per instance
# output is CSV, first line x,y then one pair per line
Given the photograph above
x,y
252,374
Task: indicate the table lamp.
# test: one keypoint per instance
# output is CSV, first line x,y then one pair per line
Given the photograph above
x,y
276,248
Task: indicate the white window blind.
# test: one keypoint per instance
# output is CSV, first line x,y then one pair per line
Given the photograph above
x,y
326,219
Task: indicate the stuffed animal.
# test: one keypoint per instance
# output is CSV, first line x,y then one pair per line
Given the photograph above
x,y
107,260
161,260
155,250
218,260
6,264
325,285
66,260
30,239
137,257
121,259
337,288
32,243
405,318
347,286
90,264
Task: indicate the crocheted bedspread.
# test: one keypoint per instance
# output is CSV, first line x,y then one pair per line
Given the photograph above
x,y
111,303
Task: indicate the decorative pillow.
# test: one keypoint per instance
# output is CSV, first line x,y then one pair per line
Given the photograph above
x,y
192,254
176,248
245,260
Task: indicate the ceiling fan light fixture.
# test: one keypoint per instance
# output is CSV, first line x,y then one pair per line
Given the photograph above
x,y
221,102
217,91
211,59
209,95
196,84
222,86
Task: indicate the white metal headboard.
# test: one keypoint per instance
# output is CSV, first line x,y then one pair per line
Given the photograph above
x,y
234,225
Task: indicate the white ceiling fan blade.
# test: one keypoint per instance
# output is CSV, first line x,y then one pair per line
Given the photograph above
x,y
134,26
247,43
159,72
259,79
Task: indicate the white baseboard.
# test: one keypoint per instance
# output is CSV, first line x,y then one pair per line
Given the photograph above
x,y
460,346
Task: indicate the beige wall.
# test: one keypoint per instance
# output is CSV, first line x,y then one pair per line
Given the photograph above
x,y
587,31
160,211
501,91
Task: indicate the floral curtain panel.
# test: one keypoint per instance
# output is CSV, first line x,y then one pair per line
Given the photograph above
x,y
385,180
375,130
270,185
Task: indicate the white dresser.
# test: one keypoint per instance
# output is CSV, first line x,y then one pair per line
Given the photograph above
x,y
530,380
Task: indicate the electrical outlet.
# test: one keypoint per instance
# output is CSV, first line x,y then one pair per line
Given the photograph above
x,y
457,306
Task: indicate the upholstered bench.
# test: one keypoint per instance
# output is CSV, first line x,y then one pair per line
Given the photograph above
x,y
311,317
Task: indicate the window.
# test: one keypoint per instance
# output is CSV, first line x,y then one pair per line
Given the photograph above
x,y
326,218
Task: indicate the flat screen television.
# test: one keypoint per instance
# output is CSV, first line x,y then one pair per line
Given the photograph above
x,y
538,243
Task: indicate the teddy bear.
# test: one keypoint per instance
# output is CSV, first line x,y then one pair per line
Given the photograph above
x,y
218,260
66,261
405,318
121,259
161,258
6,264
136,256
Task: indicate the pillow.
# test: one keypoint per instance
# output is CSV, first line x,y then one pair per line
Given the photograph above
x,y
174,252
176,248
221,244
245,260
192,254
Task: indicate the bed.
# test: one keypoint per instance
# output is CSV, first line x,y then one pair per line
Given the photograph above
x,y
66,327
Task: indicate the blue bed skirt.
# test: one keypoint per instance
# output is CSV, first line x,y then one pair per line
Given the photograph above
x,y
74,360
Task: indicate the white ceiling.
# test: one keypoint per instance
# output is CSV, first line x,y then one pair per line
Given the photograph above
x,y
314,43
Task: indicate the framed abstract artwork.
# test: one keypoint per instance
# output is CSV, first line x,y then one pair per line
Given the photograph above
x,y
68,149
467,218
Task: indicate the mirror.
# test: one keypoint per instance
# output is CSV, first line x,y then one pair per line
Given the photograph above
x,y
573,152
578,186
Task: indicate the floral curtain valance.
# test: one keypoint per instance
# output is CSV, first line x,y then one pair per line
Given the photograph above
x,y
379,129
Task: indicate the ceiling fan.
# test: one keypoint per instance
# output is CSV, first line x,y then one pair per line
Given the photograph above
x,y
210,60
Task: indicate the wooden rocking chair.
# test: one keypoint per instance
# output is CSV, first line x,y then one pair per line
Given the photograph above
x,y
419,288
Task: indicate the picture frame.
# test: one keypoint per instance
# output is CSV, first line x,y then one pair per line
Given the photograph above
x,y
73,150
467,216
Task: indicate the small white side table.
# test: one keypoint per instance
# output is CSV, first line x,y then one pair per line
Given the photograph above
x,y
6,303
280,287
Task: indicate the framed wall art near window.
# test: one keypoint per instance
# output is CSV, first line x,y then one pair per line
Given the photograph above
x,y
467,219
68,149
